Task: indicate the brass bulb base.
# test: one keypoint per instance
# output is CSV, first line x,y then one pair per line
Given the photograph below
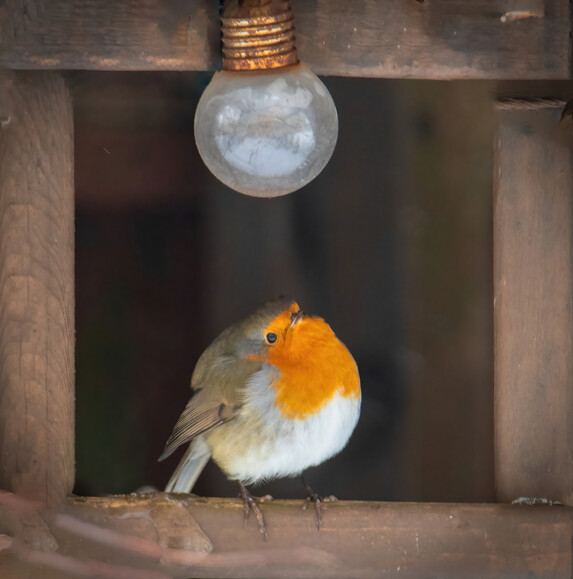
x,y
258,34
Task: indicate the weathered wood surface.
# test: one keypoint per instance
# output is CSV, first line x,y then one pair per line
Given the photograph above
x,y
533,306
36,287
441,39
358,539
156,536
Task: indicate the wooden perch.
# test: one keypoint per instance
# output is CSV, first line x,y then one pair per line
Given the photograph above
x,y
181,536
441,39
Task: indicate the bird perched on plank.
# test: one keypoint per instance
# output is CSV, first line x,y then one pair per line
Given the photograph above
x,y
273,394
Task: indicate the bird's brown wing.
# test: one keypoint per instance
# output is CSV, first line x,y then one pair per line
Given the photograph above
x,y
200,414
216,398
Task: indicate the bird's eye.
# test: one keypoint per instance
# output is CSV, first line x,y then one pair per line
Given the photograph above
x,y
271,337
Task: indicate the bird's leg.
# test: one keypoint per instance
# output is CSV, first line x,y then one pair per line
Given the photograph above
x,y
312,497
250,504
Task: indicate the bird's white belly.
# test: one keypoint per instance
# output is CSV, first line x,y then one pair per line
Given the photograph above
x,y
270,445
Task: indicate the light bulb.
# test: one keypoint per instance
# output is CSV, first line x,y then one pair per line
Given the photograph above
x,y
265,125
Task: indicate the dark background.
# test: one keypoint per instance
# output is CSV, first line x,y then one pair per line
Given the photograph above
x,y
391,244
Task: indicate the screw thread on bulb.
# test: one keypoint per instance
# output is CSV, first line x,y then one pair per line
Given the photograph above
x,y
258,34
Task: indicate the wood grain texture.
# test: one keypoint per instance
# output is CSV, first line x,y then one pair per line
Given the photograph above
x,y
358,539
36,287
533,310
438,39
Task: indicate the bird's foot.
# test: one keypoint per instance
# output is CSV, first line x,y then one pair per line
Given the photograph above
x,y
312,497
250,504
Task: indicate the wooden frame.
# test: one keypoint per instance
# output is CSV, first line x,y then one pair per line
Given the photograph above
x,y
533,299
533,213
439,39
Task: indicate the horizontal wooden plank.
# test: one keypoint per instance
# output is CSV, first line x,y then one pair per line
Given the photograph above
x,y
441,39
169,533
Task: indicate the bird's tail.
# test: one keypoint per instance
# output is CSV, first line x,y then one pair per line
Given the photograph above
x,y
190,467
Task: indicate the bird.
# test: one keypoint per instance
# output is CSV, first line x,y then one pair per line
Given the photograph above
x,y
272,395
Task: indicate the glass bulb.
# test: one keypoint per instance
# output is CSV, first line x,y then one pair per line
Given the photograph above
x,y
266,133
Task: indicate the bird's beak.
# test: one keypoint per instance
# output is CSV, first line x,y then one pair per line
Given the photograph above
x,y
295,318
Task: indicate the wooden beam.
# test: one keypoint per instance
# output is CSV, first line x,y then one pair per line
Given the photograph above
x,y
533,304
36,287
441,39
358,539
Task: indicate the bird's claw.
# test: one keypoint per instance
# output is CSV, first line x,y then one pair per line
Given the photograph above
x,y
312,497
250,504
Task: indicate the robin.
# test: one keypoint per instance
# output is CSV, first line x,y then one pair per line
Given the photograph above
x,y
273,394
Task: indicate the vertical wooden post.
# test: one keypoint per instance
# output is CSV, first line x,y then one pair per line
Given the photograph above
x,y
36,287
533,279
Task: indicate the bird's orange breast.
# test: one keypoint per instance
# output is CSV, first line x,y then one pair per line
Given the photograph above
x,y
315,366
